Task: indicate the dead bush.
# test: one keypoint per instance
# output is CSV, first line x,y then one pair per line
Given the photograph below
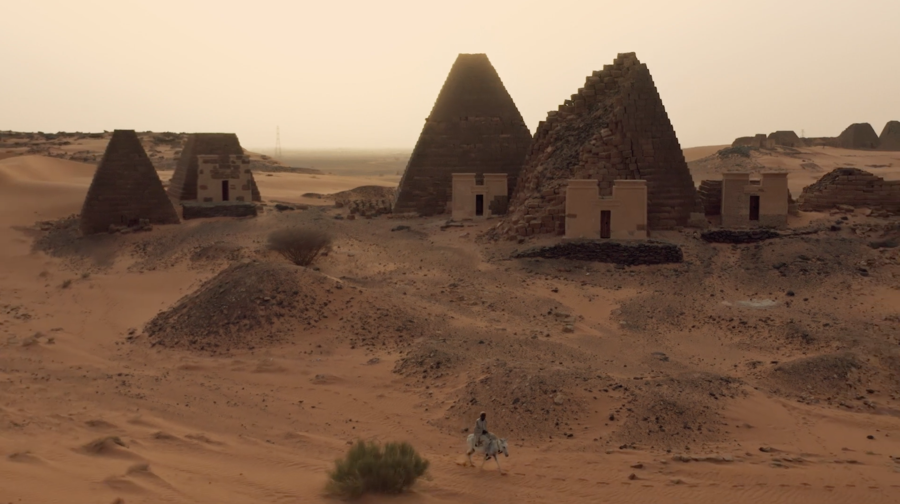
x,y
300,246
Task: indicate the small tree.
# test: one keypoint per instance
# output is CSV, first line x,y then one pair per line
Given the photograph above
x,y
371,468
300,246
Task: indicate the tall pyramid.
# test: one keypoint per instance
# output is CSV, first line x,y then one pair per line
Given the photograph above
x,y
125,189
858,136
890,137
615,127
474,127
183,186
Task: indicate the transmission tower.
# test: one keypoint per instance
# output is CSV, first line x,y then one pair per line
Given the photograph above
x,y
277,142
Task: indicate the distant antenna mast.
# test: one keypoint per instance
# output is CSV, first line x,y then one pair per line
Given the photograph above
x,y
277,142
802,133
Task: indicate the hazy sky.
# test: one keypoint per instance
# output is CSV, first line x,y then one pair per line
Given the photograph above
x,y
365,74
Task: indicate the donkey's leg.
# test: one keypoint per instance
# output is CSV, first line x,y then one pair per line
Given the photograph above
x,y
469,455
497,460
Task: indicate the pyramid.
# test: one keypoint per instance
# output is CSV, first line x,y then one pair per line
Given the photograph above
x,y
615,127
183,186
851,186
890,137
474,127
125,189
786,139
858,136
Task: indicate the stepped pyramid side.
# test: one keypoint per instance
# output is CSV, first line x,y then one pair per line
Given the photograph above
x,y
474,127
615,127
125,189
858,136
711,196
183,186
890,137
851,186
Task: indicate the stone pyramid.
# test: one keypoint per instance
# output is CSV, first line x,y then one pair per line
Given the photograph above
x,y
890,137
474,127
183,186
615,127
858,136
851,186
125,189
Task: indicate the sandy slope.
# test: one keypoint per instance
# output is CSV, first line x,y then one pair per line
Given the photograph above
x,y
805,165
264,425
290,187
695,153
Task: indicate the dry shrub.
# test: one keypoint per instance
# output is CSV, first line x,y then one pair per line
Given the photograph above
x,y
300,246
371,468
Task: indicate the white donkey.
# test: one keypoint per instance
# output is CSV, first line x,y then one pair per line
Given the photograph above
x,y
493,448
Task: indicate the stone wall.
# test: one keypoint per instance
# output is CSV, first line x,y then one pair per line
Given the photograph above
x,y
890,137
474,127
851,186
213,172
858,136
615,127
125,189
183,186
606,251
196,210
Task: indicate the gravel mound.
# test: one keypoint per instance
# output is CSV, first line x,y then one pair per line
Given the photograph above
x,y
247,305
676,412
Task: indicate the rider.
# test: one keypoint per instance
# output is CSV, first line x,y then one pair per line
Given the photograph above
x,y
481,433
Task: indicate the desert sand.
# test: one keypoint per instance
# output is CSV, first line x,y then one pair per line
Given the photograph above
x,y
756,373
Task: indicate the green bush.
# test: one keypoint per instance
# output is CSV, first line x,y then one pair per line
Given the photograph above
x,y
371,468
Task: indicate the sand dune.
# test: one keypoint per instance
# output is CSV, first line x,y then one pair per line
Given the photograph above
x,y
289,187
37,187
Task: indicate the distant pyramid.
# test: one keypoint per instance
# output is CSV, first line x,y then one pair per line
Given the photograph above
x,y
858,136
183,186
890,137
474,127
125,189
615,127
786,139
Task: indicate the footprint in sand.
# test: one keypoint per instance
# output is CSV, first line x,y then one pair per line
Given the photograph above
x,y
123,485
203,439
24,457
100,425
142,471
110,446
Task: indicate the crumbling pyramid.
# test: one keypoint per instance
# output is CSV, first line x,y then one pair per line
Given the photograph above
x,y
890,137
183,186
615,127
851,186
474,127
786,139
858,136
125,189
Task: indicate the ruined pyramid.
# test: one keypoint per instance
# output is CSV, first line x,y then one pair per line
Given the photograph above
x,y
890,137
184,182
125,189
615,127
858,136
474,127
851,186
